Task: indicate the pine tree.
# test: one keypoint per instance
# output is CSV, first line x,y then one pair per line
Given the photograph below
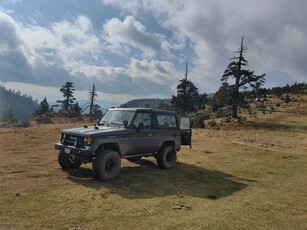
x,y
187,95
97,111
76,108
43,108
68,94
222,97
242,77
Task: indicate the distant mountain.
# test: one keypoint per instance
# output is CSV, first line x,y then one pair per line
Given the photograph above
x,y
22,106
148,103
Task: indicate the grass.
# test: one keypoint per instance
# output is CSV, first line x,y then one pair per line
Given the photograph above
x,y
241,177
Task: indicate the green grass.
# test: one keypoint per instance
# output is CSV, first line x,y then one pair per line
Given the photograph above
x,y
230,179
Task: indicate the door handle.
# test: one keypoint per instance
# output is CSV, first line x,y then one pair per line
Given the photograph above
x,y
150,134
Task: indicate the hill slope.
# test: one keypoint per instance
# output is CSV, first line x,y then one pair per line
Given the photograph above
x,y
22,107
147,103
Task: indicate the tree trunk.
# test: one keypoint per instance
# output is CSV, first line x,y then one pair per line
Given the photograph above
x,y
234,112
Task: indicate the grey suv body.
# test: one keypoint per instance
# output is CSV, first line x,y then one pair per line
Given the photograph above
x,y
130,133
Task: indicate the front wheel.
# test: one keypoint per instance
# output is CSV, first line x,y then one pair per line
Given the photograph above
x,y
106,165
68,162
166,157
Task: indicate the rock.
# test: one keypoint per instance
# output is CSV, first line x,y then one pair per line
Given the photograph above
x,y
3,125
46,120
75,228
151,211
24,124
181,206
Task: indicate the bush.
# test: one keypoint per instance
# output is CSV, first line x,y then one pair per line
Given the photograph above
x,y
8,117
287,99
212,123
221,113
199,119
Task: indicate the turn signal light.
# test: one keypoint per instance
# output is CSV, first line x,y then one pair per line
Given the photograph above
x,y
89,140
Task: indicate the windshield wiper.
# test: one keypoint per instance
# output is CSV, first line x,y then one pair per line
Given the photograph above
x,y
103,122
115,123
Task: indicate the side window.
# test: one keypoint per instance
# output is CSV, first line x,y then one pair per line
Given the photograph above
x,y
142,121
166,121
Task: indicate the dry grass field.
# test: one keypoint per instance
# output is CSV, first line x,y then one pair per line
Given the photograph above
x,y
250,176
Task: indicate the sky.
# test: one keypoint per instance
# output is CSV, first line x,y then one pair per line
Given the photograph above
x,y
139,49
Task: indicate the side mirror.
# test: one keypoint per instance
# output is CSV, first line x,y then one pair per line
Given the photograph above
x,y
98,120
125,123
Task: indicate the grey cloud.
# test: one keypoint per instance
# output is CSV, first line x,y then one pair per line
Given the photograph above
x,y
143,39
8,36
120,36
274,31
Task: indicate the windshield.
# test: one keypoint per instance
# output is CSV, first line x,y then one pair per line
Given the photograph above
x,y
117,117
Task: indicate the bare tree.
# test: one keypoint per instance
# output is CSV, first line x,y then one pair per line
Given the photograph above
x,y
92,97
242,77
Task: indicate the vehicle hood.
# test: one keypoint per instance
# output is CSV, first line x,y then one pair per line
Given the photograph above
x,y
94,130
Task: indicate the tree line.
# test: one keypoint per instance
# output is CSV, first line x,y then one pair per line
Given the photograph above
x,y
69,104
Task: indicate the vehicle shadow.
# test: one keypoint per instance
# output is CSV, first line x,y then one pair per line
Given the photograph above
x,y
147,181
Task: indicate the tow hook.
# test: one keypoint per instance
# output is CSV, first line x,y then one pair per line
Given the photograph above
x,y
72,157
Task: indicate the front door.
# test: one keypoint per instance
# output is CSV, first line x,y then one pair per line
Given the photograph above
x,y
142,139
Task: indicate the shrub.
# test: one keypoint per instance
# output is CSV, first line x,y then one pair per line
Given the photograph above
x,y
221,113
212,123
198,120
287,99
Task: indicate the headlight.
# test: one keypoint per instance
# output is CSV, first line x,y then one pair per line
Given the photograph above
x,y
88,140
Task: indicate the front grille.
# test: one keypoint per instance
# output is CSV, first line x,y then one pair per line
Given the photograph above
x,y
72,140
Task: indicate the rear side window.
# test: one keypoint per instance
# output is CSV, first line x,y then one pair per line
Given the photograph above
x,y
165,121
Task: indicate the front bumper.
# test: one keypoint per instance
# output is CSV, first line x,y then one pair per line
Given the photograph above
x,y
75,151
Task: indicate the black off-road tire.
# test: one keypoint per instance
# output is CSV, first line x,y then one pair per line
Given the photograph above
x,y
67,162
134,159
106,165
167,157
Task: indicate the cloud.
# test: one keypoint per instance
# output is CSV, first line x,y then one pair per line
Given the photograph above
x,y
13,62
274,34
122,36
143,52
47,56
160,72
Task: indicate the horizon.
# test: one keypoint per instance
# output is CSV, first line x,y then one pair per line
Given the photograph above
x,y
105,105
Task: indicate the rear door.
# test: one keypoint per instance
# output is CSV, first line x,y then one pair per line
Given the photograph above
x,y
186,131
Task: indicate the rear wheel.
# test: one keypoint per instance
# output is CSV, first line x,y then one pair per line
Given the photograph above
x,y
106,165
166,157
68,161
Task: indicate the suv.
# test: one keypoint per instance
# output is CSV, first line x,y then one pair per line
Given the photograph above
x,y
130,133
